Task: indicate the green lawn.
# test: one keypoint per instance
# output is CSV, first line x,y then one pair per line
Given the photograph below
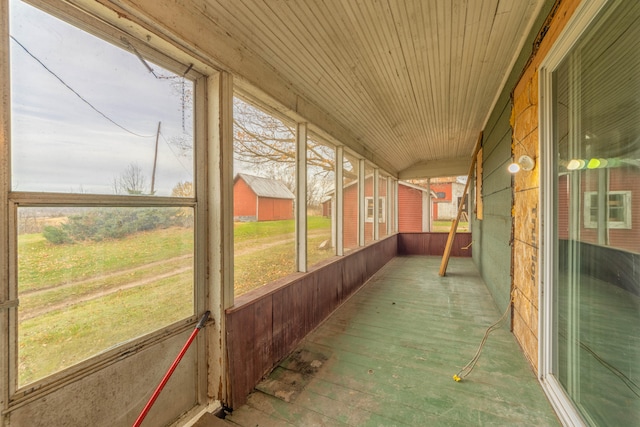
x,y
61,338
44,265
77,300
243,231
445,226
265,251
98,294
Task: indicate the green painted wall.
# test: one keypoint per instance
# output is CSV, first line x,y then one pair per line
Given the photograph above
x,y
492,234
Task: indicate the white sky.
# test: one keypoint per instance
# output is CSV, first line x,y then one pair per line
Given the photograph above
x,y
59,143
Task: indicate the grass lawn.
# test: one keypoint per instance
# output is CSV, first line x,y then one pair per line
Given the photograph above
x,y
43,265
265,251
61,338
77,300
445,226
98,294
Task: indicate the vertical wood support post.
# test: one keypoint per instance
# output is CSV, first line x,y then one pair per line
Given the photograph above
x,y
454,225
376,201
220,226
5,173
389,206
338,219
428,207
301,198
361,202
396,208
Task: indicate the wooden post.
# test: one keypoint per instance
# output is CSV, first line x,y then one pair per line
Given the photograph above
x,y
155,160
454,226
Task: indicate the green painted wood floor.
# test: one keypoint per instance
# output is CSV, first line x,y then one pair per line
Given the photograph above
x,y
387,357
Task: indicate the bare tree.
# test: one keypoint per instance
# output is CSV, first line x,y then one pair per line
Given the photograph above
x,y
131,181
260,138
268,145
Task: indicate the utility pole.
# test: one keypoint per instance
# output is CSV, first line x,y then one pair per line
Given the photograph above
x,y
155,160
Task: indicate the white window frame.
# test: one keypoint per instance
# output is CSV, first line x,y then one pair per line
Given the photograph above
x,y
626,208
579,22
368,204
15,199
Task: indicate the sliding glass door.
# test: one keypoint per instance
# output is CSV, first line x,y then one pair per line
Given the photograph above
x,y
593,347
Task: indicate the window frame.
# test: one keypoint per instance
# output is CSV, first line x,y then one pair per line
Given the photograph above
x,y
368,203
26,199
626,210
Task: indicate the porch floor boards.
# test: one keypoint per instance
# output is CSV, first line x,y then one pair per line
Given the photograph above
x,y
387,356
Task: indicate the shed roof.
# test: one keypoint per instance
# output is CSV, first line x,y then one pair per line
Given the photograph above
x,y
329,193
266,187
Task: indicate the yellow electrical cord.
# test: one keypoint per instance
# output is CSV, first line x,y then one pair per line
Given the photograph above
x,y
466,370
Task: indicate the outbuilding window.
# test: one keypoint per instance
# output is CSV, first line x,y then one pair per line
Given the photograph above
x,y
371,209
617,206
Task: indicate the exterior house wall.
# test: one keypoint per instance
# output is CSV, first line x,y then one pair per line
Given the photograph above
x,y
409,209
492,235
326,208
446,207
441,189
274,209
620,179
350,216
244,201
526,188
350,207
382,220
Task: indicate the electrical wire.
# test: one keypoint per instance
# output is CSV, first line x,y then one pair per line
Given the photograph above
x,y
466,370
76,93
175,154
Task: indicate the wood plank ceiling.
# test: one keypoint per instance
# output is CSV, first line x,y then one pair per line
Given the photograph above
x,y
414,81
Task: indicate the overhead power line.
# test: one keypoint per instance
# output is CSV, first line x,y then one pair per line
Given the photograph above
x,y
76,93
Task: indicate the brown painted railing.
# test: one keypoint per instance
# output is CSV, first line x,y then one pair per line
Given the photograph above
x,y
433,244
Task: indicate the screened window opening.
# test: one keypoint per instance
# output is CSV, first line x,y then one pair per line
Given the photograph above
x,y
350,171
382,206
93,122
368,195
321,177
92,278
90,117
264,187
449,191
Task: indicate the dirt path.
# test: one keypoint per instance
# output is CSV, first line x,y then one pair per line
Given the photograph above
x,y
25,315
104,276
252,248
99,293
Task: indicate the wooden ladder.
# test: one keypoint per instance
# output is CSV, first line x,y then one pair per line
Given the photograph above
x,y
454,225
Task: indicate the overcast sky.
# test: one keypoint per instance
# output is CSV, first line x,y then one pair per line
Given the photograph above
x,y
61,144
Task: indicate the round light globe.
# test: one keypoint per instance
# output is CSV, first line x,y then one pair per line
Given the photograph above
x,y
513,168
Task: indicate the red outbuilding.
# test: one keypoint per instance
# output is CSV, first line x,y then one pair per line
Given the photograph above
x,y
261,199
413,209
